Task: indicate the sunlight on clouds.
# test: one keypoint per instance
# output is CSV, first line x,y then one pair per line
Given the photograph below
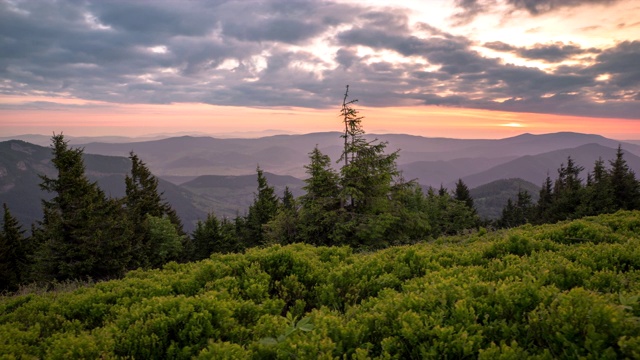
x,y
228,64
160,49
94,23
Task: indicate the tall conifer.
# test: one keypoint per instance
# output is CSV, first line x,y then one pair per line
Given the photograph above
x,y
82,232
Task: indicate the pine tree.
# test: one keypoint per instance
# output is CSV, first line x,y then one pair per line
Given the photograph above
x,y
544,208
142,199
320,205
461,193
626,189
83,233
213,236
14,253
518,213
264,208
598,195
366,182
368,174
567,191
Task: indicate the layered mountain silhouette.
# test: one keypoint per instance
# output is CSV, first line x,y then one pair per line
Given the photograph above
x,y
205,174
21,163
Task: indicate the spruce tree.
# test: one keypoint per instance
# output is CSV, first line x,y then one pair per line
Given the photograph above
x,y
213,236
567,192
598,195
320,205
264,208
544,208
366,182
461,193
625,187
368,174
83,233
142,199
518,213
14,253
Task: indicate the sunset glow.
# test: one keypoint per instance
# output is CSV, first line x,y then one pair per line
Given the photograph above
x,y
478,69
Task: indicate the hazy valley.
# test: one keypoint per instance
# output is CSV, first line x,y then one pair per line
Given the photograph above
x,y
204,174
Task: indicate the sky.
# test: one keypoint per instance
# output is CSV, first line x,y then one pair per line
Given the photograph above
x,y
459,68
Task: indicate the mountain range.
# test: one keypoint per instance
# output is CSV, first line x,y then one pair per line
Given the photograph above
x,y
205,174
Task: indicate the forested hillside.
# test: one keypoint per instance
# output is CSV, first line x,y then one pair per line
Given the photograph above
x,y
568,290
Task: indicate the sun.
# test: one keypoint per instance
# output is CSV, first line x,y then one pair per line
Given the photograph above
x,y
512,124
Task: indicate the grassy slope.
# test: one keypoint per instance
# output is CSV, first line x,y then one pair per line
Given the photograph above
x,y
566,290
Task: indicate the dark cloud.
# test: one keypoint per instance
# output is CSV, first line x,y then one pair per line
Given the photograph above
x,y
551,53
536,7
469,9
256,53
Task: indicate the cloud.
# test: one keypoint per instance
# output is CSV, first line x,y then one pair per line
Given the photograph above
x,y
469,9
551,53
293,53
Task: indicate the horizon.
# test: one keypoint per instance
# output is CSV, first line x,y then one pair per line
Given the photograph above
x,y
465,69
271,133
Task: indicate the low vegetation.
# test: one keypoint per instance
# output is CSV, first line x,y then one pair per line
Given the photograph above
x,y
568,290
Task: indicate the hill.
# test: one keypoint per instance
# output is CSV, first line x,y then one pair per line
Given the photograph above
x,y
567,290
21,163
535,168
489,199
228,196
287,154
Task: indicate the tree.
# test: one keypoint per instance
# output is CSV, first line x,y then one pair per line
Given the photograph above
x,y
368,173
83,233
567,191
320,205
165,242
544,208
213,236
625,187
598,195
142,199
14,253
518,213
461,193
366,183
446,215
264,208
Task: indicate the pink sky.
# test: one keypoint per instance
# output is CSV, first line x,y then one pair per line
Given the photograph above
x,y
492,69
430,121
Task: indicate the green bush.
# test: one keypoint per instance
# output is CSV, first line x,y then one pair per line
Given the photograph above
x,y
531,292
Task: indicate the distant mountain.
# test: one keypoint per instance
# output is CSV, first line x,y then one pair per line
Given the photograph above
x,y
21,163
489,199
534,168
45,140
232,195
287,154
219,174
436,173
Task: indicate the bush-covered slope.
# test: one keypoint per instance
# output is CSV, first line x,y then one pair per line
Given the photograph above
x,y
556,291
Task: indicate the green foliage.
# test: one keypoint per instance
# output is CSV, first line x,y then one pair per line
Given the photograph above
x,y
568,290
211,236
165,242
605,191
15,253
264,208
83,233
625,187
142,199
